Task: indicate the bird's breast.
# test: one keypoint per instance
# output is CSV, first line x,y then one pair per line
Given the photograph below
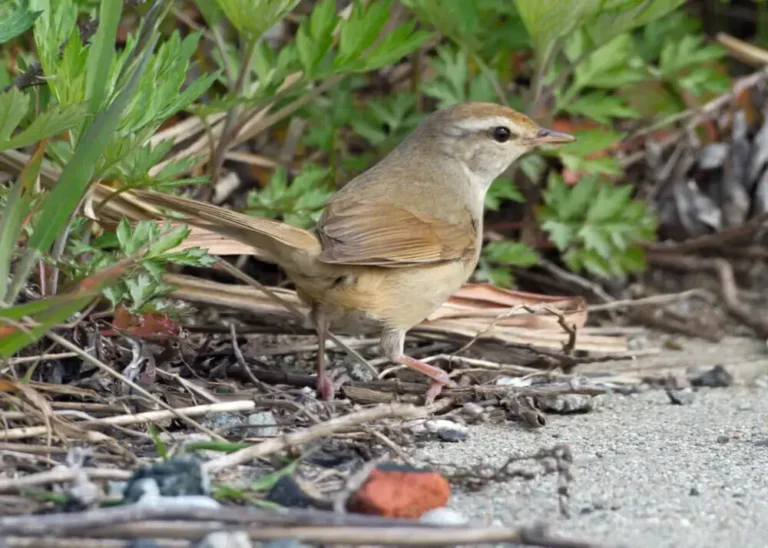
x,y
399,298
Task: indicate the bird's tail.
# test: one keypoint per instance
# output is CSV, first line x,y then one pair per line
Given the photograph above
x,y
284,244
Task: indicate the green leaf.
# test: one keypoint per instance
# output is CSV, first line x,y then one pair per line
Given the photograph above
x,y
601,107
17,207
315,35
560,233
167,241
15,19
396,45
511,253
210,11
457,19
502,189
609,203
547,20
13,107
76,176
359,32
614,17
689,51
48,124
596,239
124,233
580,199
591,141
100,54
254,17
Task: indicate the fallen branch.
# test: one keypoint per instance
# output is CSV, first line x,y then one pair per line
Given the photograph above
x,y
148,416
322,430
61,475
728,288
302,525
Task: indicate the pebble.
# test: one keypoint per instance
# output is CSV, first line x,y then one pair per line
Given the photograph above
x,y
680,397
285,543
717,377
224,539
443,516
263,424
566,404
446,430
175,477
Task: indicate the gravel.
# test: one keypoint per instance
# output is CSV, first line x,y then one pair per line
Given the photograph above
x,y
647,472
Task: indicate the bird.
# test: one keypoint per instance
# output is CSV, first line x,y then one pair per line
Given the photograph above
x,y
396,241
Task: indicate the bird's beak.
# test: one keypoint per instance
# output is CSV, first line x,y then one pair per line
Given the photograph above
x,y
551,137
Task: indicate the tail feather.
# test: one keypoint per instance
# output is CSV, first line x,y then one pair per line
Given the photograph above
x,y
285,243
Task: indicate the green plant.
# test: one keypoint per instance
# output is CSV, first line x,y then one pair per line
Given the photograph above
x,y
299,203
107,103
597,227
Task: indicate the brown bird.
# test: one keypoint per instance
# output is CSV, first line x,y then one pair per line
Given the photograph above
x,y
396,241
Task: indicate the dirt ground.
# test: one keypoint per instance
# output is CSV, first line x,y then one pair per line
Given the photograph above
x,y
646,472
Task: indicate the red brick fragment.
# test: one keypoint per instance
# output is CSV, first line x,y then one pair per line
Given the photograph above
x,y
400,491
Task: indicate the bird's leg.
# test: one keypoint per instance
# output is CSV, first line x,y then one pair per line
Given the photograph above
x,y
324,384
392,344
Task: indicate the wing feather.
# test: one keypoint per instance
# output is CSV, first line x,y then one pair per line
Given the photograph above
x,y
379,234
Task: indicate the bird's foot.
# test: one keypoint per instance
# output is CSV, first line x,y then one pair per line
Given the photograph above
x,y
325,387
331,382
439,378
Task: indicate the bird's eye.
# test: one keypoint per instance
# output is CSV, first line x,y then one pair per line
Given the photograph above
x,y
501,134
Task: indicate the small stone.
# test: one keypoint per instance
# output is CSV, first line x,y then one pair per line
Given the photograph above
x,y
285,543
263,424
443,516
451,436
286,492
694,492
566,404
144,543
513,381
717,377
401,491
446,430
223,421
225,539
472,410
179,476
680,397
723,439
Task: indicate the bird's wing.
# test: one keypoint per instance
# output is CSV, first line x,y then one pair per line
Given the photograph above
x,y
381,234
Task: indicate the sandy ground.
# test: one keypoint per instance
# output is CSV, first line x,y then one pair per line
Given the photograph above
x,y
647,473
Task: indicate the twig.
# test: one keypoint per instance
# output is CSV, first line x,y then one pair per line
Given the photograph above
x,y
728,288
148,416
531,309
34,542
61,475
576,280
695,115
111,372
302,525
321,430
41,357
723,238
241,360
652,300
399,451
